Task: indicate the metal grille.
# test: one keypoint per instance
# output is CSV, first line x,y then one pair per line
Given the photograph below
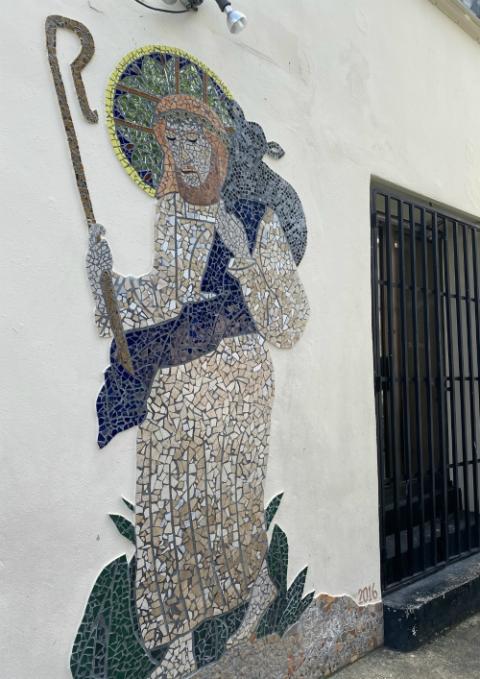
x,y
426,327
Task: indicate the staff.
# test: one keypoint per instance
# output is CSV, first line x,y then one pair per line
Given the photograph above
x,y
52,24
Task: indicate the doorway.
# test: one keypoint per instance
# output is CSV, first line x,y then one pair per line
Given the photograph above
x,y
426,332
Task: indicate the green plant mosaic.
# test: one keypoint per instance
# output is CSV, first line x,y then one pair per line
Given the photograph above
x,y
124,527
108,642
109,645
272,509
290,603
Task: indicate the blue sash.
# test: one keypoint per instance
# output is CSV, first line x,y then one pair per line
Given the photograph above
x,y
195,332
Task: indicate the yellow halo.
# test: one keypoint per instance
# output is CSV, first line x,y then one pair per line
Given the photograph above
x,y
113,83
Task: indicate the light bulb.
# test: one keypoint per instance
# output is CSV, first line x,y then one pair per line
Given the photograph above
x,y
236,21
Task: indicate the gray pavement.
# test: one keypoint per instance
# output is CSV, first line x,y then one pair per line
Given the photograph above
x,y
454,654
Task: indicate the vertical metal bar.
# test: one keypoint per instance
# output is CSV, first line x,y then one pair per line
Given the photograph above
x,y
461,375
386,384
428,380
393,382
405,380
440,382
477,336
379,399
473,422
417,378
453,396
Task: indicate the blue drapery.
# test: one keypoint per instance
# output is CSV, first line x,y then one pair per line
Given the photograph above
x,y
197,331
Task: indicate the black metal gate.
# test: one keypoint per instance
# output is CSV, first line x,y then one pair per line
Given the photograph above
x,y
426,329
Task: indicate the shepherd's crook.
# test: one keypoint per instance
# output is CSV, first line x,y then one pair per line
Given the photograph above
x,y
53,23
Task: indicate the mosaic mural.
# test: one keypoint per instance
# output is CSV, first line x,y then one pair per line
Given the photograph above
x,y
229,234
206,593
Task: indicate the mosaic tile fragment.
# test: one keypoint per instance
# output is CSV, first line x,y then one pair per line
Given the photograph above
x,y
124,527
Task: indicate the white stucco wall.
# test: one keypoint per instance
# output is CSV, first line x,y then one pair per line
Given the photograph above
x,y
351,89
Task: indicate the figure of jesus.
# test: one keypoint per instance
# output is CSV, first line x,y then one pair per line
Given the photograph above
x,y
214,300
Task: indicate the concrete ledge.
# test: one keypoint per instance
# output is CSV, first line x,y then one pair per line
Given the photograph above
x,y
415,614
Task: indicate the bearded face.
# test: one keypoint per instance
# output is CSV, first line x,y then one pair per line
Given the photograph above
x,y
195,155
190,148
